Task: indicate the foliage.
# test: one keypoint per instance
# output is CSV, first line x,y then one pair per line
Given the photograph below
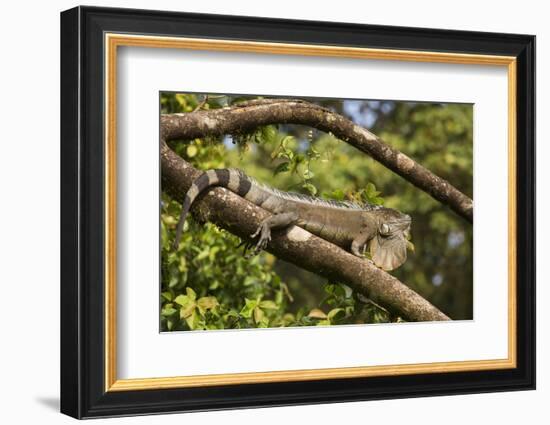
x,y
209,284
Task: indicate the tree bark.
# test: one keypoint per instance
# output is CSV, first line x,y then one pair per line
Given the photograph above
x,y
294,245
247,116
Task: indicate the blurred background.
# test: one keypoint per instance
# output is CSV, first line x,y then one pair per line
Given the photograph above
x,y
208,284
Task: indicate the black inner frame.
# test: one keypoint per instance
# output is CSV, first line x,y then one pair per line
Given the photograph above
x,y
82,211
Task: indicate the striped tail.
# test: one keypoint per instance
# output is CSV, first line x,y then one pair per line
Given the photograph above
x,y
234,180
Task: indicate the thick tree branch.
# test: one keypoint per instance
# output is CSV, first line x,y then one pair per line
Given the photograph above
x,y
247,116
296,245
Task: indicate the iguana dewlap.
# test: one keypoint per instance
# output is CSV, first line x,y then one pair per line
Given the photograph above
x,y
352,226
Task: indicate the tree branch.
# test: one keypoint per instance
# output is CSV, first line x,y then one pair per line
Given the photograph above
x,y
295,245
247,116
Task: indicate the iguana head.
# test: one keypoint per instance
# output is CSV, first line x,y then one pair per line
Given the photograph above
x,y
388,248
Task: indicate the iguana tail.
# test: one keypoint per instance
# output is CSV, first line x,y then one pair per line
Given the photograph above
x,y
232,179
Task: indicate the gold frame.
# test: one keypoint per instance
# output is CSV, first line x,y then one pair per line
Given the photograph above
x,y
113,41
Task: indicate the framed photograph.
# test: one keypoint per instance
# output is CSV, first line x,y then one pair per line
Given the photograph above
x,y
261,212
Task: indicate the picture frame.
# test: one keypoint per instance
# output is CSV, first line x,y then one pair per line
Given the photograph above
x,y
90,41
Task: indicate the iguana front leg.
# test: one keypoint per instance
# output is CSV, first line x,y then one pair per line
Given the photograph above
x,y
359,243
277,221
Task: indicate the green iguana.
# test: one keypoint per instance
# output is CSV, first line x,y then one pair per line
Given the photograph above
x,y
347,224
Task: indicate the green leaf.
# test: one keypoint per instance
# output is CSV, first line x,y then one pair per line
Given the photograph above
x,y
248,308
287,153
286,140
213,252
163,235
192,320
191,293
298,159
167,296
335,312
182,300
174,280
249,280
331,288
281,168
187,310
169,324
266,134
207,303
168,311
191,151
169,220
203,254
310,188
313,153
371,190
308,174
181,100
289,318
370,194
337,194
182,266
264,322
347,290
268,305
231,313
258,314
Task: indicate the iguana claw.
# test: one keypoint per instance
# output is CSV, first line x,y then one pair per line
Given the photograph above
x,y
265,236
258,230
246,246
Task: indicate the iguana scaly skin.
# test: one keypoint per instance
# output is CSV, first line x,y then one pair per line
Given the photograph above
x,y
352,226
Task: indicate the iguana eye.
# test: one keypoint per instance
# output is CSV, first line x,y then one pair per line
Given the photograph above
x,y
384,229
